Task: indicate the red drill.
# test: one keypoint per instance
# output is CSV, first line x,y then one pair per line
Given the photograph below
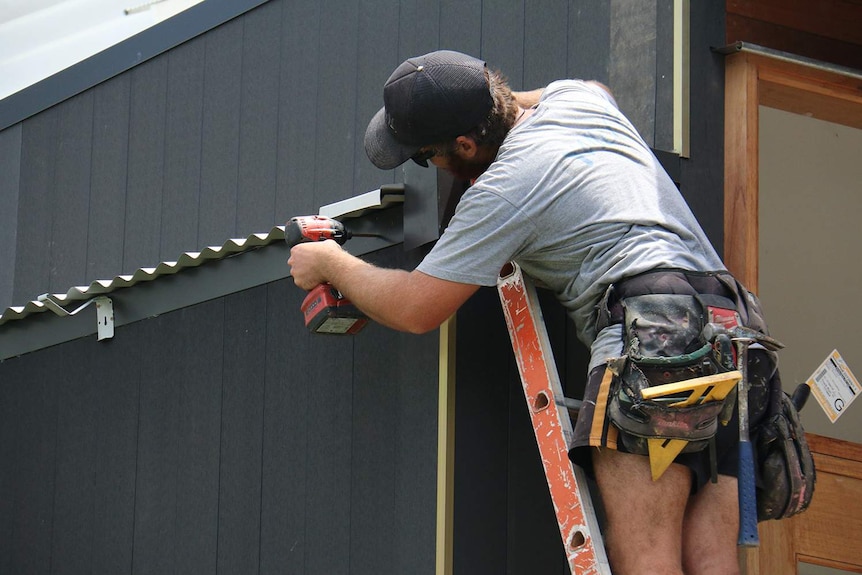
x,y
324,308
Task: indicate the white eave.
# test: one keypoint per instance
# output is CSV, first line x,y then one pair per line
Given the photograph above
x,y
39,38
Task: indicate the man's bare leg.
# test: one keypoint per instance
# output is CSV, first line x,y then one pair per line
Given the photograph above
x,y
644,528
710,530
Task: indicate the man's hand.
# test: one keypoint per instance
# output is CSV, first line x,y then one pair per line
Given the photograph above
x,y
406,301
309,262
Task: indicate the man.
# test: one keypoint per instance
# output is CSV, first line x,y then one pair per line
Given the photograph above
x,y
564,185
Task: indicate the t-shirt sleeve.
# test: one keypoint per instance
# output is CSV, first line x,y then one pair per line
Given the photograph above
x,y
485,233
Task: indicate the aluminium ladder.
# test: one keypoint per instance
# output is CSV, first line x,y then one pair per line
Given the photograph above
x,y
575,513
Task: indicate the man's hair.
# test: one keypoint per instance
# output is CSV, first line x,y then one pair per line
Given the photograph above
x,y
493,129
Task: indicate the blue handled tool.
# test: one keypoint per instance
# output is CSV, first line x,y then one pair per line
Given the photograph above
x,y
748,536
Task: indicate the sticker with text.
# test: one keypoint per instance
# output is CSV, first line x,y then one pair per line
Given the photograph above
x,y
834,386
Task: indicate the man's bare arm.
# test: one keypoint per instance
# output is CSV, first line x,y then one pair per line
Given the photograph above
x,y
528,99
407,301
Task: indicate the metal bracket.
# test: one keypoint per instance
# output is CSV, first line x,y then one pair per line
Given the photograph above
x,y
104,312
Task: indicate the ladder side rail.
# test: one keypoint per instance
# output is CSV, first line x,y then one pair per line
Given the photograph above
x,y
567,484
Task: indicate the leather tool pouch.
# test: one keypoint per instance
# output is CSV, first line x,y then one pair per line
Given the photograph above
x,y
784,465
663,345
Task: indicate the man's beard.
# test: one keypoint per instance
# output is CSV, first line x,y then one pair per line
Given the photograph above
x,y
465,169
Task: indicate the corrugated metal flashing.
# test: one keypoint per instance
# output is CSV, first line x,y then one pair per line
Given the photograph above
x,y
185,261
236,265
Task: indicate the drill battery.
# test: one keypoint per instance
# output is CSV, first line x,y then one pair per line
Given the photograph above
x,y
327,311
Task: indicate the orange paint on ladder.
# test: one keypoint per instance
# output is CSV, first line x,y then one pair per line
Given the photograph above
x,y
576,517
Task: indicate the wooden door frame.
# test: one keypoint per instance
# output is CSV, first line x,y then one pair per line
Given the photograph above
x,y
755,77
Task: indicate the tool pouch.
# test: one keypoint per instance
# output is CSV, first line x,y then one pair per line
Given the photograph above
x,y
664,345
784,465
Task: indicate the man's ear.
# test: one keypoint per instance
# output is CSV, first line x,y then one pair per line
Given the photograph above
x,y
466,147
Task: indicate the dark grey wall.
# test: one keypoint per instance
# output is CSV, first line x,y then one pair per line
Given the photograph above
x,y
162,446
221,438
262,118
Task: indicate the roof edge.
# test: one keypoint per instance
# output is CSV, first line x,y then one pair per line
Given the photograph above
x,y
119,58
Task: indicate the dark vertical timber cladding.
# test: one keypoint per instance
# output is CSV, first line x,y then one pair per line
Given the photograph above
x,y
184,119
664,75
418,33
503,38
702,177
393,461
10,183
258,129
336,115
589,46
220,141
392,518
376,56
239,510
326,377
485,373
199,355
9,426
633,62
117,381
111,108
74,476
33,387
545,43
71,197
461,26
38,158
68,449
416,451
154,545
297,121
285,483
143,225
178,447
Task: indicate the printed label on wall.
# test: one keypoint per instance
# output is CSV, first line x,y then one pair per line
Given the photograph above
x,y
834,386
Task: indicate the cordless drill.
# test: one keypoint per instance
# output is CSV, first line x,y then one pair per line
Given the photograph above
x,y
324,308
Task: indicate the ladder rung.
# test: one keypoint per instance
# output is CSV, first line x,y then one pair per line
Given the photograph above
x,y
573,405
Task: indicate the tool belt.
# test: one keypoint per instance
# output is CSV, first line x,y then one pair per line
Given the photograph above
x,y
784,467
715,290
664,344
663,313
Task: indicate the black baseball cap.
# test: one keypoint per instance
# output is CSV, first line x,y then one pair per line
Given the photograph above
x,y
427,100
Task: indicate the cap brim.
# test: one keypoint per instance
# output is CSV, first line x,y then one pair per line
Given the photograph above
x,y
382,148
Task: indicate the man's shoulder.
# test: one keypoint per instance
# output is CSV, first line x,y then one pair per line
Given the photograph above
x,y
576,89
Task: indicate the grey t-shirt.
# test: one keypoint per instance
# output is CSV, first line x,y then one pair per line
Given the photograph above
x,y
579,201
